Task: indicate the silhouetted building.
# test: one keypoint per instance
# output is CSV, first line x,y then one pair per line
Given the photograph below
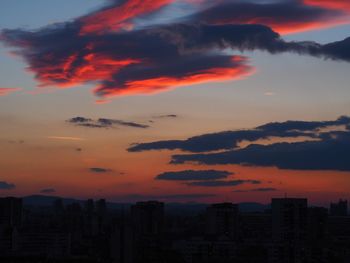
x,y
255,227
201,250
11,211
122,243
46,244
101,207
222,219
89,206
148,217
289,228
317,234
148,226
339,232
339,209
289,232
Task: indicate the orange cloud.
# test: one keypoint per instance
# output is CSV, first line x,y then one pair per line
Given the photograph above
x,y
118,17
166,83
7,91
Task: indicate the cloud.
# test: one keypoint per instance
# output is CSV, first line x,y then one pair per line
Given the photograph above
x,y
48,191
331,152
166,116
330,4
79,120
325,145
303,125
66,138
104,123
231,139
219,183
281,16
266,189
6,186
102,48
100,170
191,175
8,91
118,16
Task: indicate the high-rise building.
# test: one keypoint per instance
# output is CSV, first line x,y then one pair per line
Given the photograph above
x,y
11,211
339,209
289,229
101,207
148,217
89,206
222,219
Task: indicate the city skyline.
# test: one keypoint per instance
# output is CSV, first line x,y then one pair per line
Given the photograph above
x,y
177,101
290,231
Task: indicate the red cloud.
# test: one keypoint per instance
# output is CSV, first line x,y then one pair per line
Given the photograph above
x,y
290,27
92,67
237,70
343,5
118,17
160,58
7,91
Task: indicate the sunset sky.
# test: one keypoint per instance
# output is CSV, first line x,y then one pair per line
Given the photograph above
x,y
175,100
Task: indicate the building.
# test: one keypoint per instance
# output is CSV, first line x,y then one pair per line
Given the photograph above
x,y
339,209
222,220
11,211
122,243
148,217
289,230
200,250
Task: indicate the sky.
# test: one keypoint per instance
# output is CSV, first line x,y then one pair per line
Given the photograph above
x,y
175,100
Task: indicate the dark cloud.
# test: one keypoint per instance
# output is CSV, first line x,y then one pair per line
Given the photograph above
x,y
338,50
6,186
111,122
213,141
191,175
267,189
320,150
230,139
48,191
79,120
219,183
99,170
283,16
166,116
160,57
303,125
104,123
331,152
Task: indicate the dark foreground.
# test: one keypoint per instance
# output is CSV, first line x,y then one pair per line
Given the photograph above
x,y
289,231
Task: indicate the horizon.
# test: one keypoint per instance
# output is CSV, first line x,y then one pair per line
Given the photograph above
x,y
72,199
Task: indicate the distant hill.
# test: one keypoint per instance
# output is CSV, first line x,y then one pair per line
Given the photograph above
x,y
172,208
46,200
